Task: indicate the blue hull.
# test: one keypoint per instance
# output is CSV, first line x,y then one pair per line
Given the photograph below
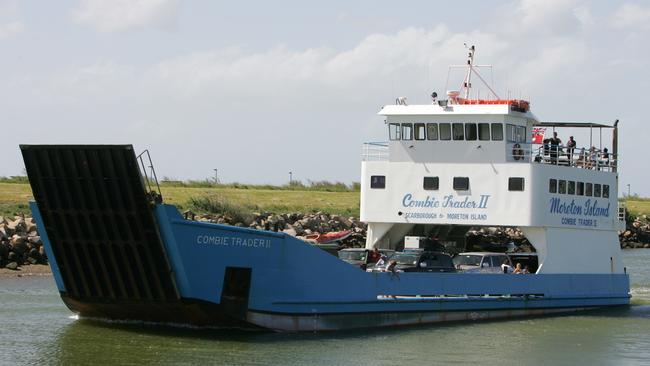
x,y
230,276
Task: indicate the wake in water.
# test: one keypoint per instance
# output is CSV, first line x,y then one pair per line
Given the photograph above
x,y
640,295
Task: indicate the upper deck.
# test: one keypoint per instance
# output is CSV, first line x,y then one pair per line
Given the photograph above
x,y
479,133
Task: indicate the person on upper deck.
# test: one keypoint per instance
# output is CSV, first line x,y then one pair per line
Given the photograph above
x,y
604,157
555,147
592,158
570,147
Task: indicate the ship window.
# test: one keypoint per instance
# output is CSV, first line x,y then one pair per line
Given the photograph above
x,y
432,131
445,131
394,131
378,181
605,190
561,187
597,190
407,131
510,133
484,131
461,183
552,186
497,132
521,133
571,189
419,131
431,183
588,190
470,131
580,189
515,184
457,129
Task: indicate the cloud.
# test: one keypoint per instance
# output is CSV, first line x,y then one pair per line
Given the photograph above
x,y
121,15
632,16
307,110
10,29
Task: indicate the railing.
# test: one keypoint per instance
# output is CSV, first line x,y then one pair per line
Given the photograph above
x,y
374,151
149,177
593,158
622,213
622,210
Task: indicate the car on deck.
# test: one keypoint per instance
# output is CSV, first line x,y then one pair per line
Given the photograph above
x,y
483,262
420,261
360,256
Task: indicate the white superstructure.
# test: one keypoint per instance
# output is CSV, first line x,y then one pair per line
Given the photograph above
x,y
464,162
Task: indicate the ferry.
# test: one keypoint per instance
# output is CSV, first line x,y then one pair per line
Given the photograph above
x,y
117,251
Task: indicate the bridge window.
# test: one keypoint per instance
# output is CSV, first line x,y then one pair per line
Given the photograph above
x,y
470,131
561,187
552,186
484,131
571,189
497,132
445,131
597,190
432,131
407,131
419,131
378,181
461,183
431,183
580,189
394,131
588,189
521,134
457,129
515,133
515,184
605,190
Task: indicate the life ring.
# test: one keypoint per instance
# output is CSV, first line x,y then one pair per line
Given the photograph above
x,y
517,152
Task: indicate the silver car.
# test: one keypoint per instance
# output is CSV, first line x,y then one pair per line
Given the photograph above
x,y
483,262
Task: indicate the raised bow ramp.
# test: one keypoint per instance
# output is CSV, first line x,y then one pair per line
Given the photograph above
x,y
100,225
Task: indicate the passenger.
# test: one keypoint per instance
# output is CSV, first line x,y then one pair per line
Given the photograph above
x,y
547,149
555,148
570,147
518,269
604,157
581,158
592,158
505,267
525,270
391,267
383,261
374,256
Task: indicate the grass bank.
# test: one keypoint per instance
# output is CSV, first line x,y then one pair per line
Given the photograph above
x,y
334,198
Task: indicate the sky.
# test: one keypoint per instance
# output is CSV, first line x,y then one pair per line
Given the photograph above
x,y
259,89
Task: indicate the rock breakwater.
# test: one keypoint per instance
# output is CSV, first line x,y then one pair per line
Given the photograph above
x,y
636,234
20,243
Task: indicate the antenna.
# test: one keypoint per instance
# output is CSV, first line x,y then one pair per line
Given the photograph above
x,y
467,83
472,69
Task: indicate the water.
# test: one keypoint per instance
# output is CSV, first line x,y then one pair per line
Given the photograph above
x,y
36,328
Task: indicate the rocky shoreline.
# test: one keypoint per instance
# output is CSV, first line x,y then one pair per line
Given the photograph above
x,y
20,243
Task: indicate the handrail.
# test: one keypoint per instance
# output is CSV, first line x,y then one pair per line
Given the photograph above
x,y
592,158
374,151
157,194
